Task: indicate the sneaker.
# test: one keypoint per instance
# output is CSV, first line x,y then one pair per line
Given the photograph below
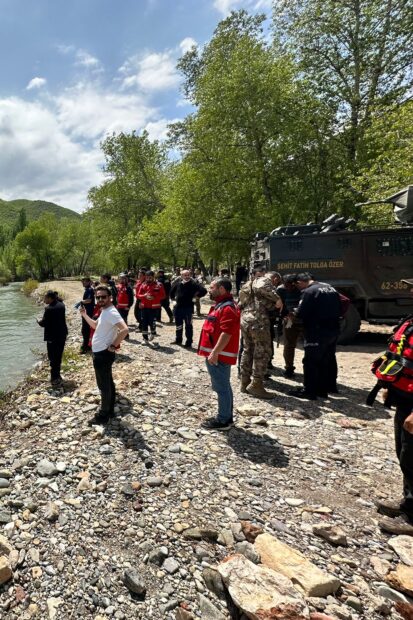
x,y
151,337
390,508
145,341
212,424
302,394
397,526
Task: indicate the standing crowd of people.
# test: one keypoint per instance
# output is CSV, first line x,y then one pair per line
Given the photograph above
x,y
243,331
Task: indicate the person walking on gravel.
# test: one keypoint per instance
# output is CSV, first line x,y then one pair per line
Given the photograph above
x,y
219,344
183,291
110,330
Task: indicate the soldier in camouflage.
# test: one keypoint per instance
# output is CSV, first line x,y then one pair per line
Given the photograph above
x,y
257,299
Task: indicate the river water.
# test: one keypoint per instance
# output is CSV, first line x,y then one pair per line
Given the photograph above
x,y
21,339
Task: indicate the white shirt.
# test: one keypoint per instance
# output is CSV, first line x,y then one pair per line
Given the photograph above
x,y
106,331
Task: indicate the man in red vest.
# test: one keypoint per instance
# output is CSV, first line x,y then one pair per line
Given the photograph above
x,y
124,296
219,344
150,296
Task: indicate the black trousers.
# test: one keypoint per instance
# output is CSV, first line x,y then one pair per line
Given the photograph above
x,y
148,321
137,311
124,314
102,363
166,305
183,315
320,364
85,335
404,451
55,350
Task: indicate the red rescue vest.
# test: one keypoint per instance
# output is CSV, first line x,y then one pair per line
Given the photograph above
x,y
123,297
394,368
211,331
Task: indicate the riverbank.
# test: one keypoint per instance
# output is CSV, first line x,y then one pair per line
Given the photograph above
x,y
83,507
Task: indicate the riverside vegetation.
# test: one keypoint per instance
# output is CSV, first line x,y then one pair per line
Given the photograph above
x,y
289,123
154,518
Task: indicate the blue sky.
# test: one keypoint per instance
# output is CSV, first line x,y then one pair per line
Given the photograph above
x,y
73,71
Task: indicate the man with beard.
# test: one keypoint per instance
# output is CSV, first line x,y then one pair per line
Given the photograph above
x,y
219,344
183,291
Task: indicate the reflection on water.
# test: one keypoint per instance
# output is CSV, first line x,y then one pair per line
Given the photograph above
x,y
19,334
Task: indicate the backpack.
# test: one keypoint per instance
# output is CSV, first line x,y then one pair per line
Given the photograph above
x,y
394,368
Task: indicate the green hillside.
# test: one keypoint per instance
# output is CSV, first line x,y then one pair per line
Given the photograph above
x,y
9,210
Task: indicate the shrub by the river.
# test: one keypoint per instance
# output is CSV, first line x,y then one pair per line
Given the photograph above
x,y
29,286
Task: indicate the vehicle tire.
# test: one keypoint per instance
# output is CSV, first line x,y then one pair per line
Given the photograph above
x,y
349,326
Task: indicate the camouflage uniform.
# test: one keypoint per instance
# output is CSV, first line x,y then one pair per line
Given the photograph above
x,y
257,299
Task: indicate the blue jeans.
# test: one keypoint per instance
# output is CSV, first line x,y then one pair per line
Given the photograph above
x,y
220,381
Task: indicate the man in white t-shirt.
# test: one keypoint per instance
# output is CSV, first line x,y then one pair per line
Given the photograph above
x,y
110,330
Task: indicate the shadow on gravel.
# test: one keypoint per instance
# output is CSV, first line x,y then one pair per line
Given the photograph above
x,y
256,448
127,433
349,402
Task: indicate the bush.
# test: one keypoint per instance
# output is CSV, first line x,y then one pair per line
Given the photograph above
x,y
29,286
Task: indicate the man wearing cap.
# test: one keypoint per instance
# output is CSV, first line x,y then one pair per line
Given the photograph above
x,y
319,310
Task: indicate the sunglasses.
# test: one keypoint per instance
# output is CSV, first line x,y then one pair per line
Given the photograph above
x,y
102,296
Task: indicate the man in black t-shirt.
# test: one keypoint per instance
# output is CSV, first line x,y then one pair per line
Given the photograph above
x,y
183,290
88,301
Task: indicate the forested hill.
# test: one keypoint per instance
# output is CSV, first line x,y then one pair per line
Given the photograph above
x,y
10,209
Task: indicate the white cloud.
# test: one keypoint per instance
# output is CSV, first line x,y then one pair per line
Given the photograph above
x,y
186,44
158,130
36,82
154,71
89,112
84,59
39,161
226,6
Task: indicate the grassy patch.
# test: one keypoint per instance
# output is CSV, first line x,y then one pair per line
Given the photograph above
x,y
72,360
29,286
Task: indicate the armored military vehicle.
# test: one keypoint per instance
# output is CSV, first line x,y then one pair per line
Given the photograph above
x,y
365,265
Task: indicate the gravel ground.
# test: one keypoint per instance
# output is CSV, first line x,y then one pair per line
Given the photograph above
x,y
93,513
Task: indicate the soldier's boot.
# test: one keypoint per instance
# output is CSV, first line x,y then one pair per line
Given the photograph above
x,y
245,381
257,389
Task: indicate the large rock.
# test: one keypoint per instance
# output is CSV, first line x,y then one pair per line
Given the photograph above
x,y
403,546
307,577
5,547
331,533
402,579
5,570
260,592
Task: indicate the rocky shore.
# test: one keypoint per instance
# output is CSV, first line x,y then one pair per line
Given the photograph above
x,y
154,518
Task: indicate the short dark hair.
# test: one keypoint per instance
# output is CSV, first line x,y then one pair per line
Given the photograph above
x,y
259,268
106,276
150,273
52,294
304,277
290,278
86,279
225,283
103,287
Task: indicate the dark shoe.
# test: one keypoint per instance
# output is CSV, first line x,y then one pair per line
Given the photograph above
x,y
57,382
397,526
188,345
322,394
289,373
84,351
390,508
212,424
98,419
176,342
302,394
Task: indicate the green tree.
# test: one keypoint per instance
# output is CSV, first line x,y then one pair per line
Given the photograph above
x,y
36,249
135,169
354,53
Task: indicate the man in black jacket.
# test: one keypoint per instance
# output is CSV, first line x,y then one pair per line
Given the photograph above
x,y
320,310
183,291
55,333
